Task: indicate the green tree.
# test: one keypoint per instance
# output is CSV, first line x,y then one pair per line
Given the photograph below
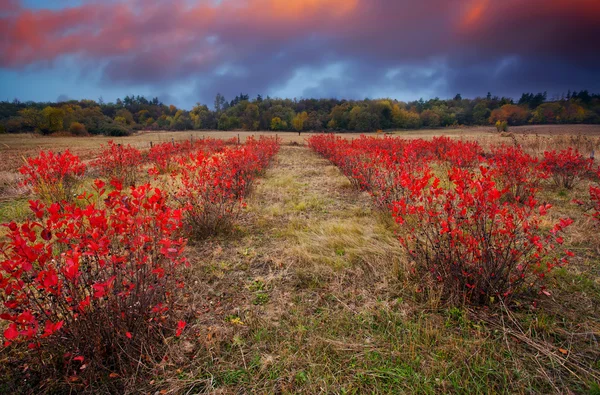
x,y
33,119
124,114
299,121
430,119
481,113
250,117
53,119
219,103
278,124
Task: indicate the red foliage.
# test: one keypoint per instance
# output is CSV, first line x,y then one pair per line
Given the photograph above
x,y
472,237
516,171
473,242
166,156
566,167
212,187
53,176
119,162
94,272
595,199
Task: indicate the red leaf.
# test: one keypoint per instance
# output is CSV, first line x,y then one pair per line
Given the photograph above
x,y
11,332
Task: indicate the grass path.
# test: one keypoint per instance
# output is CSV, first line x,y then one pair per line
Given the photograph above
x,y
309,246
307,297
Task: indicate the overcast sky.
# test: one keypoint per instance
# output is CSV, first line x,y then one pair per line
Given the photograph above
x,y
185,51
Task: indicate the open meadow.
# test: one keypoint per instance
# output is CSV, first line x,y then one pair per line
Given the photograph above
x,y
286,263
299,197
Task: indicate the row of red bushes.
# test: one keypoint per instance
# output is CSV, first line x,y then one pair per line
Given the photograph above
x,y
96,279
470,222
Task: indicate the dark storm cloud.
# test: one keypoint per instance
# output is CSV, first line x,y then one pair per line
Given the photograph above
x,y
341,48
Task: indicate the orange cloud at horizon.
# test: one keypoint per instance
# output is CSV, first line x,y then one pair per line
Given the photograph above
x,y
117,28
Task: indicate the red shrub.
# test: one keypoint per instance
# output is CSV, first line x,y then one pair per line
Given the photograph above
x,y
595,199
375,165
566,167
212,187
516,171
51,176
164,156
99,281
119,162
474,239
470,241
458,153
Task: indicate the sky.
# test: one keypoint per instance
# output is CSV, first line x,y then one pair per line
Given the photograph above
x,y
186,51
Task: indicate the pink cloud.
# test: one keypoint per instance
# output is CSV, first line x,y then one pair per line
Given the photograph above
x,y
141,40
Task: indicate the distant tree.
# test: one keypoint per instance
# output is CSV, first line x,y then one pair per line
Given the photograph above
x,y
142,116
383,110
278,124
313,122
430,119
219,103
124,114
121,121
366,121
53,119
531,100
549,113
446,117
574,113
404,119
250,117
299,121
78,129
501,126
225,123
202,117
33,119
340,116
481,113
511,113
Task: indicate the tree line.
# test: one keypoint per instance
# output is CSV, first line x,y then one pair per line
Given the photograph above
x,y
83,117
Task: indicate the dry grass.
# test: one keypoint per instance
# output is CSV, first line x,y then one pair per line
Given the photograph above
x,y
13,147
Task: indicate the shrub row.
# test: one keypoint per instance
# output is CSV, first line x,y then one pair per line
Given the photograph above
x,y
470,223
96,280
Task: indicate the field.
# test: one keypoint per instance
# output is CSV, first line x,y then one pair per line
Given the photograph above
x,y
14,147
311,291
